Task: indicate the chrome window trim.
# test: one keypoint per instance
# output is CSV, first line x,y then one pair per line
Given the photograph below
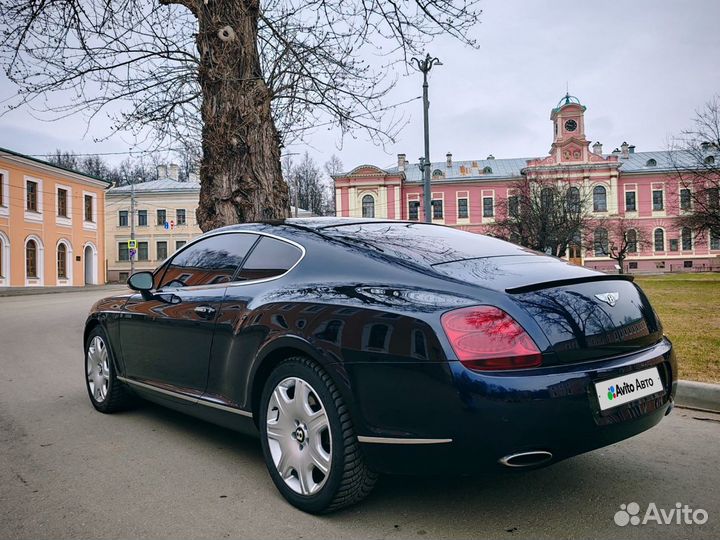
x,y
190,399
396,440
235,283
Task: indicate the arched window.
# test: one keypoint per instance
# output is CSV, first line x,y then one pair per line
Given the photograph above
x,y
437,173
62,261
631,239
487,170
659,240
601,242
686,237
710,160
599,199
31,259
546,199
651,163
573,199
368,206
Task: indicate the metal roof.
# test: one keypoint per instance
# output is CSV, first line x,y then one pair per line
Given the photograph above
x,y
501,168
664,160
163,185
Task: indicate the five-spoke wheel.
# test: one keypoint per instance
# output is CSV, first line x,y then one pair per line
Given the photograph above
x,y
107,394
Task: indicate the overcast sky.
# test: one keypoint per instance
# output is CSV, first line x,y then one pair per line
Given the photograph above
x,y
642,68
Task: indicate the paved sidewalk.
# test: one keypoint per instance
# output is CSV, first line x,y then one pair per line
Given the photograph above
x,y
23,291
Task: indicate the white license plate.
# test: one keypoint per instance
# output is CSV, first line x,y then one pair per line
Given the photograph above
x,y
627,388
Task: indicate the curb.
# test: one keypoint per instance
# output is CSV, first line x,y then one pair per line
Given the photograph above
x,y
698,395
33,291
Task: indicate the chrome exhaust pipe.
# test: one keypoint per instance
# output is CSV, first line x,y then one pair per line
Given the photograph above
x,y
526,459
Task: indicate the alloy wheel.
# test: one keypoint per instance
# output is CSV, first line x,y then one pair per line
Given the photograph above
x,y
298,435
97,369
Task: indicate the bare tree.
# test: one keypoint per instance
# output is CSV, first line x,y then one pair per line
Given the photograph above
x,y
543,215
308,189
616,238
227,72
333,167
696,161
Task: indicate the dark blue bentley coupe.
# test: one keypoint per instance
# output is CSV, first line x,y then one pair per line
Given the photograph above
x,y
358,347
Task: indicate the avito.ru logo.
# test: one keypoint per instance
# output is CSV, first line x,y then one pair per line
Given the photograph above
x,y
680,515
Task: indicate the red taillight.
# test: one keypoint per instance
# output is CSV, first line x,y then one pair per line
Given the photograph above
x,y
487,338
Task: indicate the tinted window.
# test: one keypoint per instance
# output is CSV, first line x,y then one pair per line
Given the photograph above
x,y
421,243
209,261
270,258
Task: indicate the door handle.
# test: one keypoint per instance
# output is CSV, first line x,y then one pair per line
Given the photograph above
x,y
206,312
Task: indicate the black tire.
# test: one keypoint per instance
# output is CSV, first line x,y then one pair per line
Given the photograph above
x,y
349,479
118,397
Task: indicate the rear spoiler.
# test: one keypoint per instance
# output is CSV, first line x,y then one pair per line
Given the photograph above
x,y
569,281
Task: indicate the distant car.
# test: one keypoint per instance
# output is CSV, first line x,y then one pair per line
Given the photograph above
x,y
358,347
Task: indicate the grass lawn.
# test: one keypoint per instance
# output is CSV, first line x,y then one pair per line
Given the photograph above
x,y
689,308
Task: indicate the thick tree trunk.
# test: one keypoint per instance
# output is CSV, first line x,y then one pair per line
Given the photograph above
x,y
241,177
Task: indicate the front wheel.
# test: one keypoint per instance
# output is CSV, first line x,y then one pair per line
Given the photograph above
x,y
107,394
308,442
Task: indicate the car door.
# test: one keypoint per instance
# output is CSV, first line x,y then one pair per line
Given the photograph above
x,y
166,336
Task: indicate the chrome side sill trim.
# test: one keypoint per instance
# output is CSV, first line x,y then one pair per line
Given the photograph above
x,y
394,440
186,398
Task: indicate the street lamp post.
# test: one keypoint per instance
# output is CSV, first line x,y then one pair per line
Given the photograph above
x,y
425,65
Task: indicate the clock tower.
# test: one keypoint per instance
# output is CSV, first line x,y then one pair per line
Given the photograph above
x,y
569,142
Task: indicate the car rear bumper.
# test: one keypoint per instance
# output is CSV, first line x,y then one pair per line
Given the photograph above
x,y
477,419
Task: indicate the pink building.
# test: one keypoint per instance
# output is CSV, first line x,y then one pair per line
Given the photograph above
x,y
640,186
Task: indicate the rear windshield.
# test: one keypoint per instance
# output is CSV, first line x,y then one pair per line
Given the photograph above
x,y
422,243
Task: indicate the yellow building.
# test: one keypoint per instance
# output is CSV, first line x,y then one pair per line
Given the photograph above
x,y
51,224
164,221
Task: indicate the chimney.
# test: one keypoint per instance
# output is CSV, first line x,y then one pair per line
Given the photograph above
x,y
616,152
624,150
448,160
631,148
174,171
490,157
193,177
162,172
597,148
401,162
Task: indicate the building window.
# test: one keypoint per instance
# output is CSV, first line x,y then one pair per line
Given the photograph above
x,y
651,163
31,199
513,206
62,261
631,239
123,251
31,259
142,251
659,238
686,236
437,173
601,242
161,217
710,160
632,265
687,264
123,218
463,208
437,208
180,216
714,240
62,209
488,207
630,202
599,199
413,210
2,189
142,218
658,200
673,244
89,208
573,199
123,277
179,244
547,198
368,206
487,170
685,200
161,250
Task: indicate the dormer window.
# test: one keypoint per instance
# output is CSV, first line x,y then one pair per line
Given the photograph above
x,y
487,170
710,160
437,173
651,163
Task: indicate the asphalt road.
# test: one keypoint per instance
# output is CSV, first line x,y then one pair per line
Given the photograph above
x,y
67,471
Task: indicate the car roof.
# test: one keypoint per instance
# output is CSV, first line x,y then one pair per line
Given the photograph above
x,y
310,223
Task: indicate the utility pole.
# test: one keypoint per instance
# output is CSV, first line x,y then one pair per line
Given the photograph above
x,y
425,66
132,224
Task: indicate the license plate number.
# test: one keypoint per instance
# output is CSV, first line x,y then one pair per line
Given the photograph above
x,y
627,388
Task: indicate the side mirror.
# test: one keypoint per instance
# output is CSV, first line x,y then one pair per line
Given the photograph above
x,y
141,281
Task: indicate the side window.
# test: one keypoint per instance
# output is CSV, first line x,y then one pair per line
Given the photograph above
x,y
270,258
209,261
